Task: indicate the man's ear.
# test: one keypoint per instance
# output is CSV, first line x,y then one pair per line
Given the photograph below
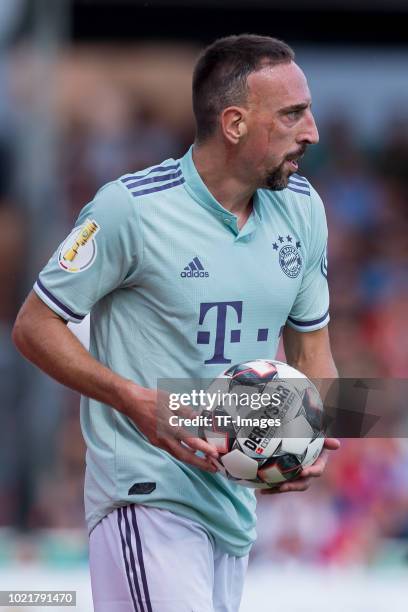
x,y
242,129
233,124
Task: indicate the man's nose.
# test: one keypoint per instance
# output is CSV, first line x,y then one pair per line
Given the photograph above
x,y
309,132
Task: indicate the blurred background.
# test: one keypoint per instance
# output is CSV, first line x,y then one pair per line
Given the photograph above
x,y
91,89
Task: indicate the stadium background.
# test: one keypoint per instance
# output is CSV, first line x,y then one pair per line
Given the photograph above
x,y
91,89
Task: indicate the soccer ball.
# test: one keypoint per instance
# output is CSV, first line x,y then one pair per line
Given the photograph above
x,y
266,423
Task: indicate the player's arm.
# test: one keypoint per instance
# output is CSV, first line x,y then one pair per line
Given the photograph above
x,y
310,353
45,340
306,336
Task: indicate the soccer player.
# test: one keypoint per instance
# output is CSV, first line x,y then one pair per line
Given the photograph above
x,y
187,267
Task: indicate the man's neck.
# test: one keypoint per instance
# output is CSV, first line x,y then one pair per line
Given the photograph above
x,y
218,170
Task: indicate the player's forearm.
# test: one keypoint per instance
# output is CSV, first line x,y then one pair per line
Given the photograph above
x,y
45,340
311,354
316,366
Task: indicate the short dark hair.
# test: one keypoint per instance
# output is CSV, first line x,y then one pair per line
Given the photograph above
x,y
220,75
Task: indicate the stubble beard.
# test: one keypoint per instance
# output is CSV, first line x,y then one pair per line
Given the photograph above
x,y
277,179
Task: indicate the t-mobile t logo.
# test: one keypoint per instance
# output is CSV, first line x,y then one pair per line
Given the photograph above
x,y
204,337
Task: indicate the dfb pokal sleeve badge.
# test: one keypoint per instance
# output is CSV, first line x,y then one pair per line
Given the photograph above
x,y
78,251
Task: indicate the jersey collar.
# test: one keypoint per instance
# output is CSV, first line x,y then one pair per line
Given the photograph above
x,y
201,194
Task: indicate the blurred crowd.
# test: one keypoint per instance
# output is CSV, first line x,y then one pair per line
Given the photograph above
x,y
357,514
365,190
361,504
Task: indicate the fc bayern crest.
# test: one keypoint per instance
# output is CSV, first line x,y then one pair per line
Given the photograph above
x,y
290,259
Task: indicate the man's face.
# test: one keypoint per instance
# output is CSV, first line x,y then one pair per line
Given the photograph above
x,y
279,122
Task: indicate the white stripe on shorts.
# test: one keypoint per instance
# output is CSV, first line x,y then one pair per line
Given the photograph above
x,y
144,559
130,541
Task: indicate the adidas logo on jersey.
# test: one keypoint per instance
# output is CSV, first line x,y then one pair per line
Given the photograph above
x,y
194,269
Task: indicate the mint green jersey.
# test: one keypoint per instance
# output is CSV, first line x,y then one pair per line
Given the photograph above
x,y
176,290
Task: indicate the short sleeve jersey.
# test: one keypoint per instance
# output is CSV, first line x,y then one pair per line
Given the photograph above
x,y
176,290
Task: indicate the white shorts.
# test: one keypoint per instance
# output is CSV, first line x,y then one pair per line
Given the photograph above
x,y
144,559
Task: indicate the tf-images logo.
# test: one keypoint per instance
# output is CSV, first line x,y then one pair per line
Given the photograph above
x,y
194,269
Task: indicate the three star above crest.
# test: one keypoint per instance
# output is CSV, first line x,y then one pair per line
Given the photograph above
x,y
289,238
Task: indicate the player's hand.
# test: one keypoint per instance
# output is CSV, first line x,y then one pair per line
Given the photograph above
x,y
303,481
150,411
